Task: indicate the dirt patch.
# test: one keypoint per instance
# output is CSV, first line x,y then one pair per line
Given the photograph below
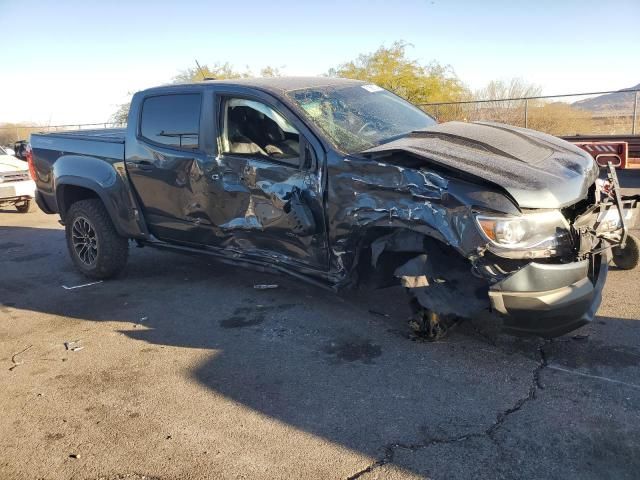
x,y
128,476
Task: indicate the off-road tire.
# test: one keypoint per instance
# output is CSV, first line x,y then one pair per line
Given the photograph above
x,y
28,206
627,258
88,221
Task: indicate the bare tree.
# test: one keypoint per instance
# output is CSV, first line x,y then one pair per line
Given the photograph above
x,y
507,108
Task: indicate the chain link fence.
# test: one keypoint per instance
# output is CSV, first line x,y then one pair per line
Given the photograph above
x,y
597,113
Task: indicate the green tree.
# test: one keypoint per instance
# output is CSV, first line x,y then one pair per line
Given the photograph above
x,y
390,68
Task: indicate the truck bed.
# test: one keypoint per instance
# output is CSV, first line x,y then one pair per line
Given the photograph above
x,y
105,143
93,155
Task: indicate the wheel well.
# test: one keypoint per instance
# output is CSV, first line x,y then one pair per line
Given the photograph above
x,y
403,245
71,194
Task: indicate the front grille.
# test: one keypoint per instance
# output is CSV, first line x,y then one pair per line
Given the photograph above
x,y
14,176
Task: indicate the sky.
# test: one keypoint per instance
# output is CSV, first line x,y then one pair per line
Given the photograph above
x,y
76,61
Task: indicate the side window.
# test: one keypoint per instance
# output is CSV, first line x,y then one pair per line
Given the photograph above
x,y
172,120
253,128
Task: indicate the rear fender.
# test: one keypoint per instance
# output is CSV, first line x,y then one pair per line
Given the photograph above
x,y
108,180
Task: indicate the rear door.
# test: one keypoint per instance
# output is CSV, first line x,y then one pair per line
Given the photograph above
x,y
165,164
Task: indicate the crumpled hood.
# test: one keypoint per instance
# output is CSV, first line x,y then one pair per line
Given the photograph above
x,y
536,169
12,164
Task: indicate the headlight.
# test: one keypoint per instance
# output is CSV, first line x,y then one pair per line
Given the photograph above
x,y
527,236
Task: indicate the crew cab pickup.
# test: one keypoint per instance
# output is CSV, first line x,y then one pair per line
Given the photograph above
x,y
341,182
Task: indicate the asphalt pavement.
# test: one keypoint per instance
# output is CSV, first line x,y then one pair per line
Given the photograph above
x,y
181,369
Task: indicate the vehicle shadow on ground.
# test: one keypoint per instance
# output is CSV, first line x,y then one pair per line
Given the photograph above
x,y
339,367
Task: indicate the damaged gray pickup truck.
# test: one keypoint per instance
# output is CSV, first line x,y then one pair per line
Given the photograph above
x,y
340,182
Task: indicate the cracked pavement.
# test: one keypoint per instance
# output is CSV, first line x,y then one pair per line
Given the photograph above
x,y
187,371
489,432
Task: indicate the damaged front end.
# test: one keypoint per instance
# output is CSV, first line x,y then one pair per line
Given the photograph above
x,y
542,271
557,296
536,234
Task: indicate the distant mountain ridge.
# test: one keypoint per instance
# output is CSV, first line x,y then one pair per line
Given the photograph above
x,y
610,102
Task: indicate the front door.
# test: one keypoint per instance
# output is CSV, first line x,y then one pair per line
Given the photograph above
x,y
266,197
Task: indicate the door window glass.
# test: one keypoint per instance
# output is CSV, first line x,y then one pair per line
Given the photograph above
x,y
253,128
172,120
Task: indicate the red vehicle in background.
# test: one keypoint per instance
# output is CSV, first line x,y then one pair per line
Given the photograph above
x,y
623,151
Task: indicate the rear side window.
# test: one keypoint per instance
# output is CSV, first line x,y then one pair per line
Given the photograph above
x,y
172,120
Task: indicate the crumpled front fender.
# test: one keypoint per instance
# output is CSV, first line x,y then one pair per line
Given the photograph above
x,y
367,195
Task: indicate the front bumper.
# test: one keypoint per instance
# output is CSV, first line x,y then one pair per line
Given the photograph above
x,y
551,300
12,190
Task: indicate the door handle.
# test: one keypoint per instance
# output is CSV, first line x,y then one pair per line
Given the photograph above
x,y
228,176
144,164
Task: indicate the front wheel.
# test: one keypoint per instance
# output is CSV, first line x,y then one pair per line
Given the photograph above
x,y
627,258
26,206
93,242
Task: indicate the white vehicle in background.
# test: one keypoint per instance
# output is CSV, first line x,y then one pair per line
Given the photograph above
x,y
16,186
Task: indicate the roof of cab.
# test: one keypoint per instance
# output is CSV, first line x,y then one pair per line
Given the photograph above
x,y
272,84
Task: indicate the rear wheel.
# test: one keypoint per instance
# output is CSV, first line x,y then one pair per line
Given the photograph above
x,y
627,258
93,242
26,206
